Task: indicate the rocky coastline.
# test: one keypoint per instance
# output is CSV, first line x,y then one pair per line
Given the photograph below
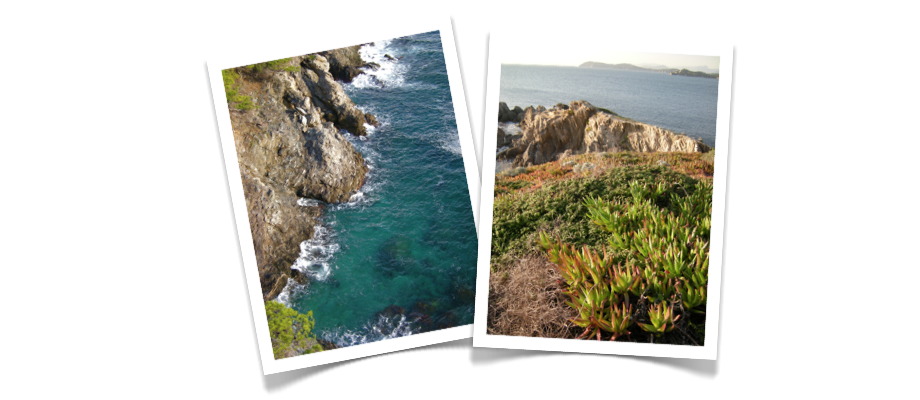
x,y
538,135
291,144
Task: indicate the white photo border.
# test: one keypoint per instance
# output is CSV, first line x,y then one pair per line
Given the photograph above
x,y
709,350
389,30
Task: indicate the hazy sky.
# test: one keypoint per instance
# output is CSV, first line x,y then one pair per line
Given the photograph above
x,y
573,53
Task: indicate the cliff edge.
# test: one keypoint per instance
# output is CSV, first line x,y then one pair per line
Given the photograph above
x,y
288,118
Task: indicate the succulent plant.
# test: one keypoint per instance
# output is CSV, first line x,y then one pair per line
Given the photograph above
x,y
665,240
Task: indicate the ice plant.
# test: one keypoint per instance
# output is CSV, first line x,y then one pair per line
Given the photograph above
x,y
662,318
659,237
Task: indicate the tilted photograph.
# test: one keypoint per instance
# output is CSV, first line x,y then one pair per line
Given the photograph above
x,y
602,200
356,194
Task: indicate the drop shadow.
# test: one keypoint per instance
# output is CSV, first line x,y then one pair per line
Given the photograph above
x,y
281,380
704,368
487,355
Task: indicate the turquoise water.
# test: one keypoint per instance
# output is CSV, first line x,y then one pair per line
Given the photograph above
x,y
682,104
400,257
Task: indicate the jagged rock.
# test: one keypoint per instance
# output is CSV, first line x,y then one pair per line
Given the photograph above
x,y
345,63
503,139
286,150
330,97
331,173
506,114
564,130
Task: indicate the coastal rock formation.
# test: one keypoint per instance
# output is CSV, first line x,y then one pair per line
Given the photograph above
x,y
549,135
337,107
506,114
290,146
503,139
346,63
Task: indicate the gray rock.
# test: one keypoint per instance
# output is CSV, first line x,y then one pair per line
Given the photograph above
x,y
286,150
330,96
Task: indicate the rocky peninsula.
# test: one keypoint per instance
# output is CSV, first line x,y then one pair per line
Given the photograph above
x,y
289,119
565,130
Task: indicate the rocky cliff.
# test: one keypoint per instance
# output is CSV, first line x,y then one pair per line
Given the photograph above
x,y
290,145
551,134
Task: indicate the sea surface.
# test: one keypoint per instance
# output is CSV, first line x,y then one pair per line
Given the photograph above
x,y
400,257
681,104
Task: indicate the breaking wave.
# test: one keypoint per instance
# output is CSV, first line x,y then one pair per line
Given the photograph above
x,y
388,72
382,328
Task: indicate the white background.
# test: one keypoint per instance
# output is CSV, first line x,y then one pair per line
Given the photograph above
x,y
121,268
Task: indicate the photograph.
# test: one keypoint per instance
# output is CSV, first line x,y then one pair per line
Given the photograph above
x,y
601,200
358,186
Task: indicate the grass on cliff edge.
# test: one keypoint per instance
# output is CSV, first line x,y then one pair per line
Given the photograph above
x,y
695,165
232,79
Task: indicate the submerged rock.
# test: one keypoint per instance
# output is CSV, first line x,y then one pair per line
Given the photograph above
x,y
394,257
548,135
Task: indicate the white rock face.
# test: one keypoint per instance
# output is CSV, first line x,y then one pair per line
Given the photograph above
x,y
578,128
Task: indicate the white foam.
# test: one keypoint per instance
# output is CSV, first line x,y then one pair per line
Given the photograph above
x,y
305,202
450,141
391,72
510,128
289,292
382,328
316,254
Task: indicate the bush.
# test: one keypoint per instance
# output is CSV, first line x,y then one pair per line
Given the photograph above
x,y
290,331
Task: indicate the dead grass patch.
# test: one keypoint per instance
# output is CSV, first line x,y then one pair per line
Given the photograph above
x,y
526,299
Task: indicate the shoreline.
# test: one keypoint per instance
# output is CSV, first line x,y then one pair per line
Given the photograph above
x,y
289,120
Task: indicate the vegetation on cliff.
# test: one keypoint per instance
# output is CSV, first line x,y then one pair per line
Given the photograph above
x,y
291,332
603,245
232,77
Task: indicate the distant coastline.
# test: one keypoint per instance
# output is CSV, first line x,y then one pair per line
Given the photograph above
x,y
631,67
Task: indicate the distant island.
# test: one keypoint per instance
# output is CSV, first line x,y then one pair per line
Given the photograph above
x,y
687,72
631,67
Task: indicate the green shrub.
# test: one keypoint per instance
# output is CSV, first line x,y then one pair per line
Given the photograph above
x,y
656,271
290,331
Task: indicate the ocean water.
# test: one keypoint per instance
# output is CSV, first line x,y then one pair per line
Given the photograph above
x,y
400,257
679,103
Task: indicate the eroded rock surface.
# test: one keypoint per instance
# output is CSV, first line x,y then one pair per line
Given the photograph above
x,y
330,97
290,146
549,135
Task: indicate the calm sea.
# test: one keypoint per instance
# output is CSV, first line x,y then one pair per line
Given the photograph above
x,y
400,257
679,103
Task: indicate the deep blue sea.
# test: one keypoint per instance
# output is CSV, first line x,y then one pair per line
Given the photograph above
x,y
679,103
400,257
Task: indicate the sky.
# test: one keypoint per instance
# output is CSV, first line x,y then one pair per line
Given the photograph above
x,y
565,52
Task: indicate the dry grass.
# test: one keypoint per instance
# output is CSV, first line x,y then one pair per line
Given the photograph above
x,y
696,165
526,299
